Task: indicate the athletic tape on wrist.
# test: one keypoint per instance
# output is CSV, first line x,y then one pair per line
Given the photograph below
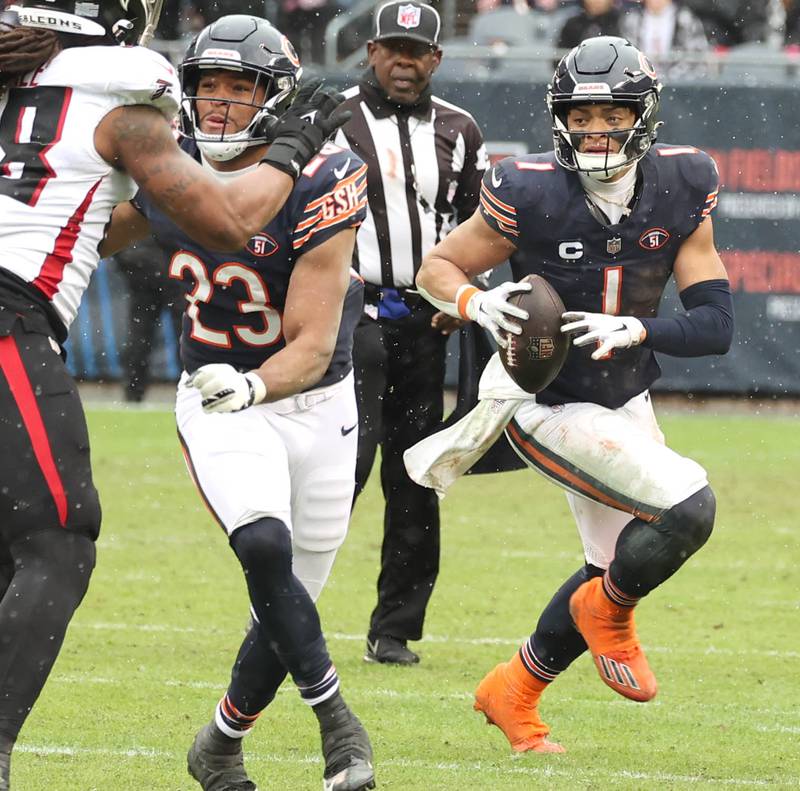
x,y
463,296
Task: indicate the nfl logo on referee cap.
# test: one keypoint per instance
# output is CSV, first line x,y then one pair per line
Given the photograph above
x,y
408,16
416,21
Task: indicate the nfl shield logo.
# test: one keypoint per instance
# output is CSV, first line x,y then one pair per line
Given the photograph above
x,y
408,16
541,348
613,246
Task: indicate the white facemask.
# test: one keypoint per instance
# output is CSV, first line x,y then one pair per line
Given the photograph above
x,y
601,166
225,149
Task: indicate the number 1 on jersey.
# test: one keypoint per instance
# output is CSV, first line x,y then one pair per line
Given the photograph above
x,y
612,295
612,290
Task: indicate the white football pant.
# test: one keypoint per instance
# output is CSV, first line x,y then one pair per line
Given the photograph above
x,y
293,460
612,462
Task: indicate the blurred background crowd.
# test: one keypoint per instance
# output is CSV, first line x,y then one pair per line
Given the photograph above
x,y
517,39
659,27
332,33
711,54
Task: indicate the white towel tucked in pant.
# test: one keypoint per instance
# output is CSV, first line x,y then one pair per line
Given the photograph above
x,y
439,460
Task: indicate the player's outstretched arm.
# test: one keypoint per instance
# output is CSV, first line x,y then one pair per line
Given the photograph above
x,y
139,140
468,250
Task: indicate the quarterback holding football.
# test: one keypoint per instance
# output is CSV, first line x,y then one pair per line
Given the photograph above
x,y
607,218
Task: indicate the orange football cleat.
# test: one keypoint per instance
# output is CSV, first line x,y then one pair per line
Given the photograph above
x,y
610,633
508,696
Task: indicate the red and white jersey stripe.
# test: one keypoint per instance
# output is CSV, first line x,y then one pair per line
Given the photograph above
x,y
56,191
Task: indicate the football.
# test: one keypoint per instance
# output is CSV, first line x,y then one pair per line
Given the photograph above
x,y
534,358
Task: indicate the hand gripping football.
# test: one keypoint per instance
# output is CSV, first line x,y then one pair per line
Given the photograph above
x,y
534,358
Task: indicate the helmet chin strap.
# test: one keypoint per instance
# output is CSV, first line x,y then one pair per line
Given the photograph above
x,y
222,150
601,167
227,147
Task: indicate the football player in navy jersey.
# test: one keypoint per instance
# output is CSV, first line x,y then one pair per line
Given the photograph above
x,y
82,121
266,407
607,219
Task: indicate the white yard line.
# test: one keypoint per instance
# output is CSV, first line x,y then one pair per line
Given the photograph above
x,y
493,769
665,709
438,639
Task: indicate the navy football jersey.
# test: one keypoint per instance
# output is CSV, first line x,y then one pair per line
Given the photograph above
x,y
236,300
618,269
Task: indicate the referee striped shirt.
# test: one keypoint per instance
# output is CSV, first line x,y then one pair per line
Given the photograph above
x,y
424,175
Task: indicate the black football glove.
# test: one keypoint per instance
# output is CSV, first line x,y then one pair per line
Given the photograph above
x,y
301,131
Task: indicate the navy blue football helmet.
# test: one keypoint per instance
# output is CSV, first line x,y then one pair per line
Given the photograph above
x,y
602,70
250,46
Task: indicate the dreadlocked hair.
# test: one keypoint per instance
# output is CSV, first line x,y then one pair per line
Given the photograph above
x,y
24,49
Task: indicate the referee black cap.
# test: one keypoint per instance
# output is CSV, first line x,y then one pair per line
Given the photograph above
x,y
415,21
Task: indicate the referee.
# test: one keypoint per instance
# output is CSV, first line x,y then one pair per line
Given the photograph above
x,y
426,159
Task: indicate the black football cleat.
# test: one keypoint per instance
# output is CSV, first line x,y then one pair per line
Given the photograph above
x,y
217,763
345,748
389,651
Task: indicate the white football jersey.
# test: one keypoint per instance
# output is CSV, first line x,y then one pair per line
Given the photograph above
x,y
56,191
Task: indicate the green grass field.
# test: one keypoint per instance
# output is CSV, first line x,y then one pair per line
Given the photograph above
x,y
149,652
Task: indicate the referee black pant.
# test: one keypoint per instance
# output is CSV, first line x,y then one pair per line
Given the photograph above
x,y
399,370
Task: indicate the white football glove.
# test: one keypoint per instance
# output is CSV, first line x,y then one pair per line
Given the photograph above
x,y
224,389
611,332
491,309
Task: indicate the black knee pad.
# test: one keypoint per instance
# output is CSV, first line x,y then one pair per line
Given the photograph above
x,y
692,520
647,553
264,549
